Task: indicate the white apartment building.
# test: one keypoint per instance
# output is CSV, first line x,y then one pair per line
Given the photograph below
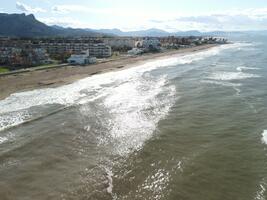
x,y
120,42
99,50
81,59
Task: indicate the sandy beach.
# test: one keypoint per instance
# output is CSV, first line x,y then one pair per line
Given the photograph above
x,y
65,75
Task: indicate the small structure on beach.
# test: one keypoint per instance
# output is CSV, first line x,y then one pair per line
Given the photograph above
x,y
81,59
135,51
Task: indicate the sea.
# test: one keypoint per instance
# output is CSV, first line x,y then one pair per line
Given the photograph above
x,y
187,127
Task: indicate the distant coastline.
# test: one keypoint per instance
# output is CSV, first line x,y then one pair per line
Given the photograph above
x,y
55,77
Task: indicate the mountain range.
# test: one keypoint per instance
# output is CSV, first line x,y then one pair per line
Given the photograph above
x,y
22,25
153,32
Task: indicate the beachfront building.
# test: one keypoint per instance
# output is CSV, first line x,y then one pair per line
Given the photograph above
x,y
148,44
214,40
100,50
120,43
151,43
220,40
55,48
173,42
135,51
81,59
23,57
60,48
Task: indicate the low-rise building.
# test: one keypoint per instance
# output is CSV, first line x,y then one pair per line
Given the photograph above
x,y
135,51
176,42
23,57
81,59
151,43
148,44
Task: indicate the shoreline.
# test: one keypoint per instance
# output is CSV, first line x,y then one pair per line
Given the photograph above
x,y
55,77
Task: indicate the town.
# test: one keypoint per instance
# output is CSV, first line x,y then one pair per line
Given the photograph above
x,y
20,53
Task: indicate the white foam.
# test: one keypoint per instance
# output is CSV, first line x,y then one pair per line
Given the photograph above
x,y
12,119
260,194
228,76
264,137
228,84
69,94
155,184
110,181
87,128
3,139
238,45
240,69
235,86
136,108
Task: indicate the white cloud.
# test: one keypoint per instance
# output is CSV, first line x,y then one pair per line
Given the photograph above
x,y
250,19
78,8
129,19
142,13
26,8
64,22
69,8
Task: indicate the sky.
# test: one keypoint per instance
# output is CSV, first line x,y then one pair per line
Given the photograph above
x,y
129,15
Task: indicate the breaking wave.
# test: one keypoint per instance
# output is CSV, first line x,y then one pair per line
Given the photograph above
x,y
131,83
243,68
264,137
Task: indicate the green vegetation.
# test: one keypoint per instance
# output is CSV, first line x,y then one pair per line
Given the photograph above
x,y
3,69
52,64
61,57
46,65
55,63
115,54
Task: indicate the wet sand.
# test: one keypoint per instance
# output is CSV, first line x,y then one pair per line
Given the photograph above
x,y
65,75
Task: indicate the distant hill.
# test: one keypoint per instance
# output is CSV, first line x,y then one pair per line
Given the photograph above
x,y
162,33
142,33
155,33
260,32
21,25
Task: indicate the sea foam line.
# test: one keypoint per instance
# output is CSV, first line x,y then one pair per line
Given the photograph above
x,y
69,94
73,94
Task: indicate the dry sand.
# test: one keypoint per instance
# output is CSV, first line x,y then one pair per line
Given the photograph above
x,y
65,75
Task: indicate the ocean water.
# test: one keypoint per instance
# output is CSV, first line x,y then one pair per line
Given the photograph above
x,y
186,127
